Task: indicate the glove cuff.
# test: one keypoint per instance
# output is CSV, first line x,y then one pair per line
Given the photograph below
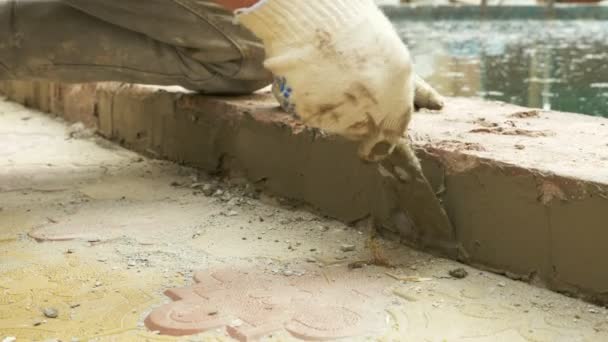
x,y
286,22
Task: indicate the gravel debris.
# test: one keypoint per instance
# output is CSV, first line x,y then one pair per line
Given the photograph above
x,y
50,312
458,273
347,248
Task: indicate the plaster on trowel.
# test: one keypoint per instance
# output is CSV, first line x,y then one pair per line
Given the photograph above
x,y
417,213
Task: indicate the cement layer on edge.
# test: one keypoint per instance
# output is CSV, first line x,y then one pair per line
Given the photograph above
x,y
565,144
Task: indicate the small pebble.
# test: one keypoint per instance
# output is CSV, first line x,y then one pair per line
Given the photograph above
x,y
209,190
51,312
9,339
356,264
287,273
311,260
593,311
196,185
502,284
347,248
236,323
459,273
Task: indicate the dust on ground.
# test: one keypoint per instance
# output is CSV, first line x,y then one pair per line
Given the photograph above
x,y
91,235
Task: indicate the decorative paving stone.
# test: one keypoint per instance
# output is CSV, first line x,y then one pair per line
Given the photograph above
x,y
251,304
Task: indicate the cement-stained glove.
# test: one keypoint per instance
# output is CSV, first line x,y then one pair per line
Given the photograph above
x,y
341,64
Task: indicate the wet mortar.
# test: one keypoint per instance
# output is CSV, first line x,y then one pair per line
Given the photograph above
x,y
99,233
548,64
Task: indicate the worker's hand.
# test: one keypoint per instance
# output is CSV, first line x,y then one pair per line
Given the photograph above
x,y
424,95
341,65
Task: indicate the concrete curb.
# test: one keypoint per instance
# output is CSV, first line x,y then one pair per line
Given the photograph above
x,y
529,223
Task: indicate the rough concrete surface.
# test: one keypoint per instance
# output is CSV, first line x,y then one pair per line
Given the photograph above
x,y
99,243
525,190
563,144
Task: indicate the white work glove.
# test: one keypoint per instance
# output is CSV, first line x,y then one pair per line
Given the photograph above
x,y
341,65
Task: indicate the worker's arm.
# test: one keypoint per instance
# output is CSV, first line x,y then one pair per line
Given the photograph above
x,y
340,65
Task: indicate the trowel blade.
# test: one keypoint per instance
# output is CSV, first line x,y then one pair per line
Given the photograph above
x,y
414,197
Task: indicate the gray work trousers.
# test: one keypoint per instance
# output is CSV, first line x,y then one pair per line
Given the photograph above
x,y
190,43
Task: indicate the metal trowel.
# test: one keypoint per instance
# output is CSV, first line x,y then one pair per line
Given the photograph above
x,y
417,214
